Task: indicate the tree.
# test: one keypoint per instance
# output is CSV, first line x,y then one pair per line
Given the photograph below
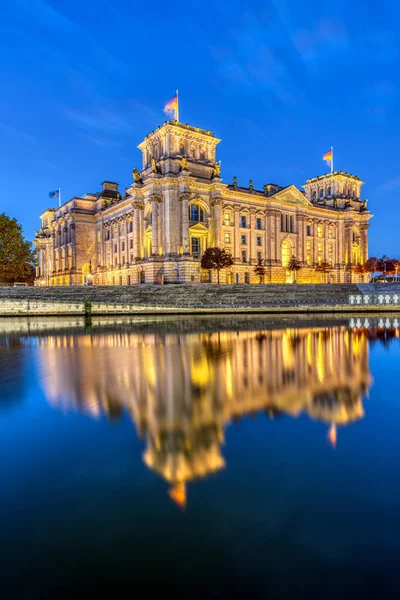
x,y
371,266
260,270
359,269
385,266
16,256
323,268
216,259
293,266
396,265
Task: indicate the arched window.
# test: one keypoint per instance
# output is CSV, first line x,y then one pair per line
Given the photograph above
x,y
329,191
321,193
192,150
181,147
196,213
286,253
202,153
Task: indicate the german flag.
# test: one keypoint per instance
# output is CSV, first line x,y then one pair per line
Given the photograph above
x,y
328,155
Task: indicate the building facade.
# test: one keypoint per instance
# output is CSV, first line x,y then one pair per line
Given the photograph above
x,y
177,206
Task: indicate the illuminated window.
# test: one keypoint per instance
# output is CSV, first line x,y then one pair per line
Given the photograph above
x,y
98,236
244,240
308,245
319,246
319,231
243,221
319,259
258,240
227,218
330,233
196,213
227,238
286,253
309,259
196,247
258,223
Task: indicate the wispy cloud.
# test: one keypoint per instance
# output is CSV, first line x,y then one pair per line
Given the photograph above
x,y
22,136
390,185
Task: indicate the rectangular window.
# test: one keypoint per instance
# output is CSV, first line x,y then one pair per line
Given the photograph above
x,y
243,221
319,231
259,257
115,247
309,259
123,246
330,233
258,240
98,236
308,229
131,244
130,225
244,256
244,240
258,223
292,223
283,222
319,259
196,247
308,245
319,246
131,258
115,261
227,218
123,259
227,238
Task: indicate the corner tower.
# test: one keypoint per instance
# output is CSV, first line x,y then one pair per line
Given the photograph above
x,y
172,141
337,189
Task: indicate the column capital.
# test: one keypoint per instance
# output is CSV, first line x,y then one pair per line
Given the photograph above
x,y
184,196
137,205
216,201
155,198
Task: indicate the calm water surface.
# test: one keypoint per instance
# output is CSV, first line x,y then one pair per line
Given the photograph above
x,y
205,457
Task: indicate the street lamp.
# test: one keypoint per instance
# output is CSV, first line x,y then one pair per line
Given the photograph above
x,y
384,260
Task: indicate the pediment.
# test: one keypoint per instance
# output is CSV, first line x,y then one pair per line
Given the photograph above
x,y
199,227
292,195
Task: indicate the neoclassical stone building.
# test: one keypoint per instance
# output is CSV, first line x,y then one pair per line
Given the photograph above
x,y
177,206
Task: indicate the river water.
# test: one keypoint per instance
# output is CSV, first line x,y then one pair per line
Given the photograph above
x,y
206,457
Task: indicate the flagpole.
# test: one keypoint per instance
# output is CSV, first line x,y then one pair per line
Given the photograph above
x,y
332,159
177,107
59,197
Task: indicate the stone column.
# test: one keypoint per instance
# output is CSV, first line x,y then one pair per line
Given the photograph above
x,y
276,239
301,246
155,242
252,237
137,208
216,204
364,242
238,257
184,199
73,245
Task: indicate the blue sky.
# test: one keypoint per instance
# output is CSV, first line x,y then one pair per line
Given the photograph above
x,y
279,81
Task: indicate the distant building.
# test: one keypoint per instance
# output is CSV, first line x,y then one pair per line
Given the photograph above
x,y
177,206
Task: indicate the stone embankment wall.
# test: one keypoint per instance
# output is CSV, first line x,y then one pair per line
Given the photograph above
x,y
199,299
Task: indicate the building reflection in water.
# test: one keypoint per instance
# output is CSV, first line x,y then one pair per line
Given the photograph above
x,y
182,390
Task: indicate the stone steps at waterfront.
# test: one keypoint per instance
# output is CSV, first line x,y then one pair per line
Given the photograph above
x,y
199,295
